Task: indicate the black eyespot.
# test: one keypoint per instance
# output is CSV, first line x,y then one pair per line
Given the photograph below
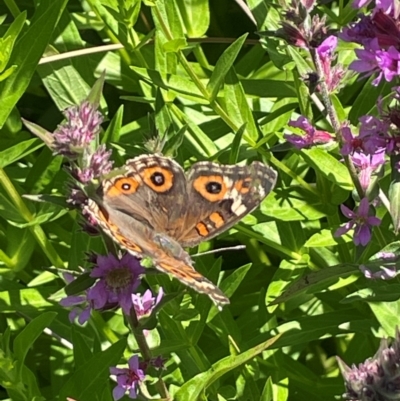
x,y
157,179
213,187
126,187
246,184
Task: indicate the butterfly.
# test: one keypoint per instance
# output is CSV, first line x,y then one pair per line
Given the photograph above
x,y
152,208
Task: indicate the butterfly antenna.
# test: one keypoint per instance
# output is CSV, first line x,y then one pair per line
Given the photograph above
x,y
229,248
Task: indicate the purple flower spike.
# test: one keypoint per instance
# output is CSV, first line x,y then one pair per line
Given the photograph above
x,y
361,221
377,378
81,127
312,136
118,279
145,304
128,378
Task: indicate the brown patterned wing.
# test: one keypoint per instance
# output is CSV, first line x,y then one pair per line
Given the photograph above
x,y
220,196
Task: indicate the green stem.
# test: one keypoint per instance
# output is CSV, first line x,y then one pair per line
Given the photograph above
x,y
145,349
36,230
282,167
334,119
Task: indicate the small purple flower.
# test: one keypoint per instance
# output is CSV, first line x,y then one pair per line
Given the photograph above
x,y
158,362
367,62
127,378
361,32
385,273
332,75
373,132
81,305
327,47
366,165
118,279
312,136
144,304
361,221
99,164
388,62
81,126
374,59
350,143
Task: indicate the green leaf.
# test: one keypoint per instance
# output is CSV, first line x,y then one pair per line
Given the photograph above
x,y
7,72
26,54
394,194
366,99
224,64
329,166
234,153
237,107
321,239
190,10
317,281
89,379
29,335
19,151
81,283
113,132
295,203
8,40
193,388
175,45
385,313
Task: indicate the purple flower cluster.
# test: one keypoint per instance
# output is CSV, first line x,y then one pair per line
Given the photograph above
x,y
379,34
117,279
76,139
377,378
79,130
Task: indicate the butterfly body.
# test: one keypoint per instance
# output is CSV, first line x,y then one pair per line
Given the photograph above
x,y
154,209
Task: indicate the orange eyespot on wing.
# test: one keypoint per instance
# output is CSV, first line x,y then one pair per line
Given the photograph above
x,y
123,186
158,178
210,187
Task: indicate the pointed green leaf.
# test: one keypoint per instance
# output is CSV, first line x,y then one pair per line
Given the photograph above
x,y
27,52
224,64
30,333
193,388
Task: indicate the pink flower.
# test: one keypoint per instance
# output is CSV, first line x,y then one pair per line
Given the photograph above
x,y
144,304
366,165
361,221
127,378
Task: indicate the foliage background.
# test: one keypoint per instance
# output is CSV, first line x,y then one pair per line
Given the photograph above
x,y
164,80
